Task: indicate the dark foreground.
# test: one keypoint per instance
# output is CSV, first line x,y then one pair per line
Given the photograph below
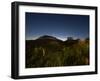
x,y
45,52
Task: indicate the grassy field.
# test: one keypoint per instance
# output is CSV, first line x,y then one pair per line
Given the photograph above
x,y
55,54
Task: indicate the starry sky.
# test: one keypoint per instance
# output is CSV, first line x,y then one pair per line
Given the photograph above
x,y
58,25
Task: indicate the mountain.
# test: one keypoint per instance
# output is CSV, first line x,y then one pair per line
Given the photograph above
x,y
47,37
44,41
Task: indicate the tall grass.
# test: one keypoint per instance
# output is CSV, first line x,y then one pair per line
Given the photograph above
x,y
53,55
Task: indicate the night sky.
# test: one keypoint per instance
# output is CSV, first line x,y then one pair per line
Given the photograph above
x,y
57,25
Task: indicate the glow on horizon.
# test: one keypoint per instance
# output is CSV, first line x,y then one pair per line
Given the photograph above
x,y
63,38
34,38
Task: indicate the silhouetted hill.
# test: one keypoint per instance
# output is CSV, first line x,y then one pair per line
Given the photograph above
x,y
44,41
48,37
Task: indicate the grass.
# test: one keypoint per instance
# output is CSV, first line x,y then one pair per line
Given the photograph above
x,y
56,54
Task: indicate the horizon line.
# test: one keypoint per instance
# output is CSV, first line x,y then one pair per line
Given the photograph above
x,y
63,39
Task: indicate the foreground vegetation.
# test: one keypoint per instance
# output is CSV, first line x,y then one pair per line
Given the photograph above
x,y
54,53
